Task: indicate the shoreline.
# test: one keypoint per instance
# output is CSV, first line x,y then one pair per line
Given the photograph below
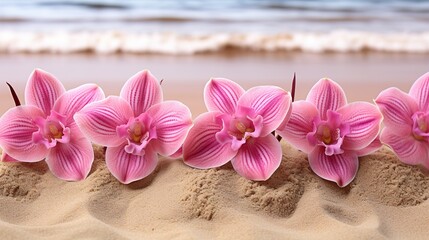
x,y
362,75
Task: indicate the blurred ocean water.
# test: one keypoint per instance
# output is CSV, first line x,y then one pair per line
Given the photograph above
x,y
192,26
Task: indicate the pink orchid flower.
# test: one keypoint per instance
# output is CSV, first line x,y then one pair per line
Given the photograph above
x,y
406,121
238,127
136,126
44,128
332,132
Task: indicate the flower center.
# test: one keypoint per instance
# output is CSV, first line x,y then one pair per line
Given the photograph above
x,y
55,130
138,132
51,130
329,133
238,130
241,128
421,126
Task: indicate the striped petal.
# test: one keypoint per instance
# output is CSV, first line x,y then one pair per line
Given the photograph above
x,y
222,95
177,154
397,108
339,168
17,126
7,158
127,167
364,121
99,120
201,148
407,148
372,147
72,161
259,158
42,90
75,99
327,95
300,124
172,121
142,91
420,92
272,103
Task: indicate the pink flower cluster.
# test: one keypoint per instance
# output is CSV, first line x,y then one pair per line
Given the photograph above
x,y
58,126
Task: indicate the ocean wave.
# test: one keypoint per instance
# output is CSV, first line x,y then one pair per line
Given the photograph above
x,y
110,42
90,5
97,19
196,18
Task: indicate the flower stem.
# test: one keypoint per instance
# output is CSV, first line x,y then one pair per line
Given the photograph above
x,y
14,96
292,92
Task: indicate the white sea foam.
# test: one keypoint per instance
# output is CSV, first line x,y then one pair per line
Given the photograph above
x,y
108,42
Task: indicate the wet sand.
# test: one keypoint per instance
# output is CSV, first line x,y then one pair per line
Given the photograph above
x,y
361,75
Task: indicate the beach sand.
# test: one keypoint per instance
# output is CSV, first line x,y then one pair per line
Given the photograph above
x,y
387,200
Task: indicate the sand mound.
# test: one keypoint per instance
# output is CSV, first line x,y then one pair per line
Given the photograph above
x,y
280,194
204,190
20,180
100,178
209,190
384,179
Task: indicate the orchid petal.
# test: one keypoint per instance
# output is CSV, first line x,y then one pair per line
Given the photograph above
x,y
71,161
372,147
201,149
300,124
327,95
128,167
222,95
42,90
259,158
16,134
75,99
177,154
272,103
172,121
407,148
7,158
142,91
99,120
339,168
397,108
420,92
363,120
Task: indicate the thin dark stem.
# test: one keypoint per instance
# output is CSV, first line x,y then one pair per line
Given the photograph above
x,y
160,82
14,96
292,91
